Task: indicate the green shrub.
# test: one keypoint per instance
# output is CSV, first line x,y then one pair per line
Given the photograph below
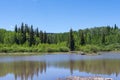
x,y
90,48
64,49
52,50
112,47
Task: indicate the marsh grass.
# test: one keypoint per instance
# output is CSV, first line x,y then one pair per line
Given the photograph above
x,y
50,48
37,48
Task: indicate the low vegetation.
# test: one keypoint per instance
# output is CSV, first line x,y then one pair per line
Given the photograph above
x,y
38,48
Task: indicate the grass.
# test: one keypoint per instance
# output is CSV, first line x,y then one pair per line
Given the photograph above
x,y
50,48
98,48
38,48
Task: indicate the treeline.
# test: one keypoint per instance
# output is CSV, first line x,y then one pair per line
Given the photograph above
x,y
105,37
100,35
74,40
26,34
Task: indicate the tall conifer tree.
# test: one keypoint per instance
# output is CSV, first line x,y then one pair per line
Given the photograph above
x,y
71,41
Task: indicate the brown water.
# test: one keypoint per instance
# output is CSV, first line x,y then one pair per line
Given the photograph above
x,y
51,67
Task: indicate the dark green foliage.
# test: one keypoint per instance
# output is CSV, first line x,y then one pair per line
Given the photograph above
x,y
44,37
27,30
15,35
31,39
82,39
16,30
23,37
41,36
71,41
16,39
103,38
115,27
37,32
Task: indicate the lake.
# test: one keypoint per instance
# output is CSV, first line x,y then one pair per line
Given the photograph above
x,y
53,66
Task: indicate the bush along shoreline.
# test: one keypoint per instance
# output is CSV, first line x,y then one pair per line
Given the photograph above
x,y
39,49
52,48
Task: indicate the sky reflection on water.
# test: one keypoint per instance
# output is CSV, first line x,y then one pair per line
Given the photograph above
x,y
51,67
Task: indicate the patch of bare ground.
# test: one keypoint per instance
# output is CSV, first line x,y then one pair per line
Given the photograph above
x,y
84,78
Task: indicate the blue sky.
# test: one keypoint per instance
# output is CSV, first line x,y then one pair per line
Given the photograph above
x,y
59,15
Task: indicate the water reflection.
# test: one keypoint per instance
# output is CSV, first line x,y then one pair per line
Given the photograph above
x,y
105,66
26,70
23,70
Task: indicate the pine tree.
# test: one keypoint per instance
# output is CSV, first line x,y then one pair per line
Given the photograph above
x,y
27,30
22,27
41,36
115,27
23,34
37,32
31,39
44,37
82,39
71,41
15,35
16,30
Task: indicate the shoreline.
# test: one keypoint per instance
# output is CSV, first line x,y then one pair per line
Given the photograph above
x,y
45,53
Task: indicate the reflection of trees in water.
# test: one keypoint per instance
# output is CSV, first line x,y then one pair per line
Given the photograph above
x,y
102,66
23,69
92,66
71,66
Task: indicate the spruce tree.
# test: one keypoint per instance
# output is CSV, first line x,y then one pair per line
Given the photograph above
x,y
82,39
15,35
31,39
44,37
22,27
37,32
16,29
115,27
27,30
23,34
41,36
71,41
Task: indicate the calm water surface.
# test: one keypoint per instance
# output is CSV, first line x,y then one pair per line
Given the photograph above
x,y
51,67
